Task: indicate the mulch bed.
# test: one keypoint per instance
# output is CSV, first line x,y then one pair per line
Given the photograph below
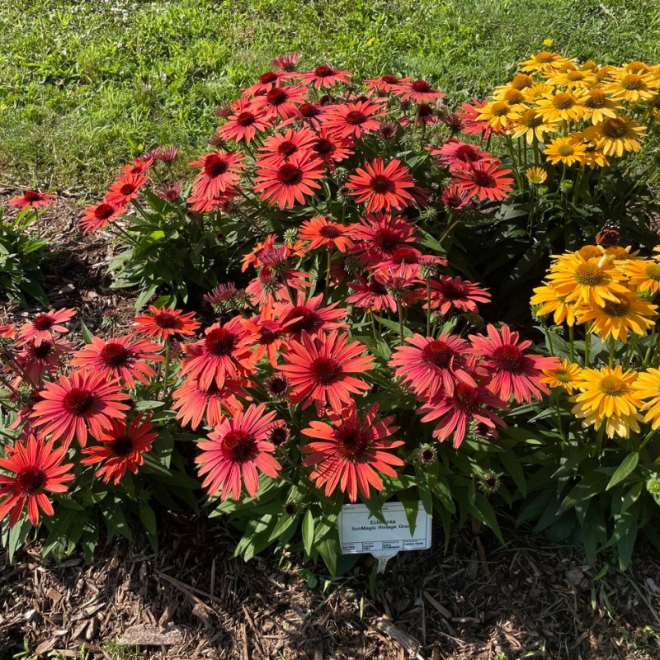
x,y
194,600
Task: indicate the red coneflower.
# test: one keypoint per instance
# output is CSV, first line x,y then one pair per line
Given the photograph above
x,y
219,355
277,149
45,357
266,82
277,386
238,449
42,327
372,296
354,120
223,201
351,452
98,216
194,402
417,90
7,331
453,293
279,433
123,448
286,62
170,191
325,76
139,166
512,371
400,287
32,199
244,123
455,198
323,232
379,235
36,468
165,154
75,402
220,170
221,294
331,148
311,114
307,316
265,335
385,83
287,183
125,188
458,155
382,186
407,262
122,357
430,365
165,322
318,367
457,410
486,180
280,102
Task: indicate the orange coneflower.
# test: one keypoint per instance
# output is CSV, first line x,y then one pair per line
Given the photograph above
x,y
381,186
165,322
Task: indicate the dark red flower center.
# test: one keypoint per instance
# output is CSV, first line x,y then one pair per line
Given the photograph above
x,y
351,443
508,358
104,211
122,446
483,179
438,354
428,455
246,119
127,188
277,96
421,86
289,174
377,288
390,80
325,371
467,153
115,355
43,322
381,184
78,401
215,166
424,110
166,320
31,480
306,319
405,256
268,77
466,398
287,148
277,385
239,446
221,342
452,292
42,351
323,147
279,435
268,336
331,231
355,117
386,240
308,110
33,196
324,71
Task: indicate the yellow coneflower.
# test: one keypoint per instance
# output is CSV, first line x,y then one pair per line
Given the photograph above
x,y
616,319
566,150
544,62
636,67
618,252
647,386
537,91
566,375
573,80
587,281
589,65
551,302
562,105
591,252
632,87
604,73
615,136
607,395
643,274
594,157
536,175
530,124
597,106
498,114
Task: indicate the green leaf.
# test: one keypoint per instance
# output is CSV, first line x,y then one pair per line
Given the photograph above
x,y
410,500
624,470
590,486
308,531
512,466
488,515
283,525
86,333
148,517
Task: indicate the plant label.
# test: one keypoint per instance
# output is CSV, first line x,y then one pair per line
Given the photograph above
x,y
361,532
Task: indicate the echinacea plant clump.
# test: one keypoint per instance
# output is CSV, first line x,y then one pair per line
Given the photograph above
x,y
316,337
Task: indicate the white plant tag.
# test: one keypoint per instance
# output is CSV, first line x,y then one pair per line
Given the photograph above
x,y
361,532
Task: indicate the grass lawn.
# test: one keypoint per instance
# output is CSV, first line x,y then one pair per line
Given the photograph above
x,y
86,85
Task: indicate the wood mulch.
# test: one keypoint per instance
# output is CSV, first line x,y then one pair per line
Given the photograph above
x,y
193,600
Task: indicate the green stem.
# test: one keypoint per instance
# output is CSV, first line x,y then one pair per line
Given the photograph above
x,y
166,367
428,309
587,344
648,436
400,308
327,274
571,336
612,342
599,438
558,408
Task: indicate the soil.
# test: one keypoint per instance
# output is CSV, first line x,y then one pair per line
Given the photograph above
x,y
478,601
